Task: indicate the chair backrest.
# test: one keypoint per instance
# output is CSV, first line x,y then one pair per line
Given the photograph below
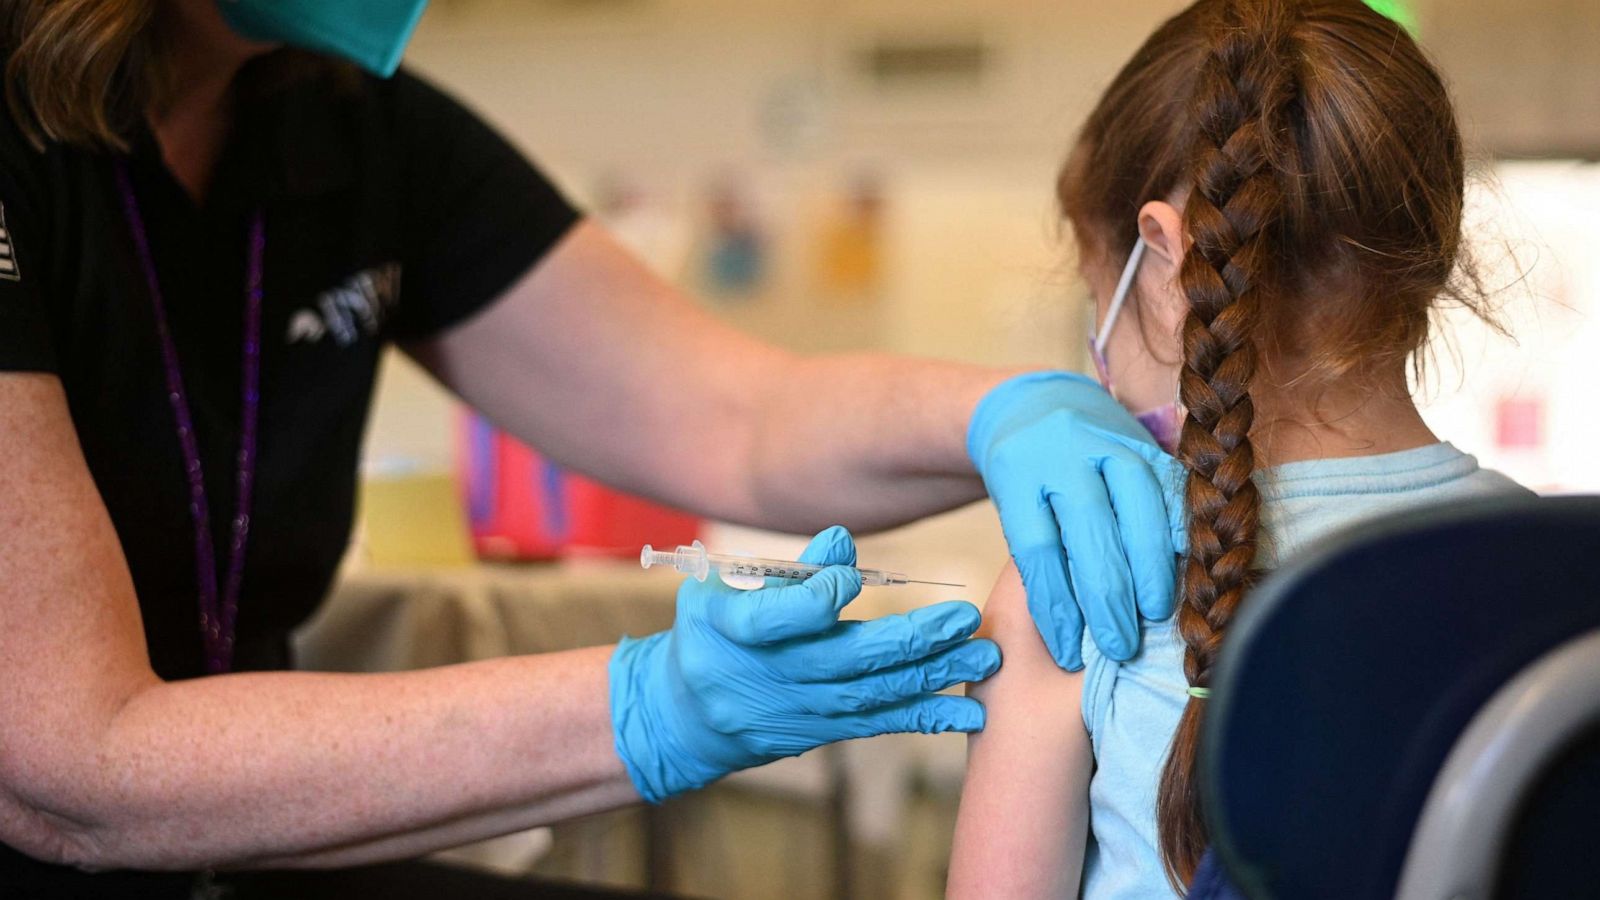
x,y
1497,778
1355,669
1546,855
1211,881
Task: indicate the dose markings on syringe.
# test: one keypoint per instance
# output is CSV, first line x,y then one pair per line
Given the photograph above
x,y
765,571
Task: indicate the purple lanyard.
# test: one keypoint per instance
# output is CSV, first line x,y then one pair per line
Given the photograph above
x,y
217,619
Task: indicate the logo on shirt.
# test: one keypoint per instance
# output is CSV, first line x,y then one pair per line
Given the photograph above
x,y
354,309
8,254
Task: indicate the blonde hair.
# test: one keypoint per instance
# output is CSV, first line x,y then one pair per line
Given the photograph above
x,y
79,69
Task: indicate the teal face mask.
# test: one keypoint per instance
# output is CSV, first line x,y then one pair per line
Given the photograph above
x,y
371,33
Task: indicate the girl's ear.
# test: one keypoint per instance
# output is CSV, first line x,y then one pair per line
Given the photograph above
x,y
1161,226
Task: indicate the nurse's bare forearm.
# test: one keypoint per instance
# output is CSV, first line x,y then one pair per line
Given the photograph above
x,y
868,440
285,768
610,370
411,844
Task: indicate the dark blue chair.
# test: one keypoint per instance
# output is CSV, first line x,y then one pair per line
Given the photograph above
x,y
1211,881
1412,709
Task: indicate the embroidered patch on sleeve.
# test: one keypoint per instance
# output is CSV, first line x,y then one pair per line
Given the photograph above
x,y
8,254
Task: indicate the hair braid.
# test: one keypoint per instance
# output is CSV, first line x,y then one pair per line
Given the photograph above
x,y
1239,107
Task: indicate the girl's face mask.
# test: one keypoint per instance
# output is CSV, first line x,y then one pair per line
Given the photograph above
x,y
1165,422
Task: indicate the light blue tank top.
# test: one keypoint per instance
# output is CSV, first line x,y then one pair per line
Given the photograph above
x,y
1132,708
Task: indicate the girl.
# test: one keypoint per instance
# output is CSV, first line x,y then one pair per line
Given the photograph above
x,y
1281,185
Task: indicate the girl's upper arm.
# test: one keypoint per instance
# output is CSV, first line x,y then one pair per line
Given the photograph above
x,y
71,638
1024,817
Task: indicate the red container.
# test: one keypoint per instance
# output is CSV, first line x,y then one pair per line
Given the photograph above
x,y
521,506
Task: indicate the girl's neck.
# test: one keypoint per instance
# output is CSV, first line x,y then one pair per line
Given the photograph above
x,y
1363,418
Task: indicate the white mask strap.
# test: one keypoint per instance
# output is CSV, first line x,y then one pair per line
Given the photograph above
x,y
1119,296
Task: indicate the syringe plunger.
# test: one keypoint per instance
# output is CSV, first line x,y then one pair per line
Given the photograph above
x,y
693,560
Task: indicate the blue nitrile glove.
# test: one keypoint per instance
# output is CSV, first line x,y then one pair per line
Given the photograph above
x,y
1079,485
747,677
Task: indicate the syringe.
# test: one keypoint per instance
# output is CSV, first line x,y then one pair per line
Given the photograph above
x,y
695,561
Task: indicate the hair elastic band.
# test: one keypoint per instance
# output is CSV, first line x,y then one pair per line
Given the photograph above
x,y
1199,693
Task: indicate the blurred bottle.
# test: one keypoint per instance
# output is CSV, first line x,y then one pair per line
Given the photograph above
x,y
521,506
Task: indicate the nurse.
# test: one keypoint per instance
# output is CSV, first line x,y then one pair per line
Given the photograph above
x,y
211,223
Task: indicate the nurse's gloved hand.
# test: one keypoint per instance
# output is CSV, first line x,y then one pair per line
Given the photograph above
x,y
747,677
1079,485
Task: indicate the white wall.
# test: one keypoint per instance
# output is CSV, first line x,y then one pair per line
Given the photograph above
x,y
1534,237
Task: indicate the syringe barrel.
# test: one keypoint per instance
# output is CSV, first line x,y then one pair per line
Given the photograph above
x,y
744,567
696,562
756,567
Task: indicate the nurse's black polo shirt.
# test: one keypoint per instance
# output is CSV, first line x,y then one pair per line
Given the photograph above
x,y
391,214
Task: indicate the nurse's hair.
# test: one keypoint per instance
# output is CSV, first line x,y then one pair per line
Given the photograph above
x,y
82,72
78,68
1321,173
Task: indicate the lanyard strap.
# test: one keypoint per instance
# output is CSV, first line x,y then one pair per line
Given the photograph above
x,y
218,609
